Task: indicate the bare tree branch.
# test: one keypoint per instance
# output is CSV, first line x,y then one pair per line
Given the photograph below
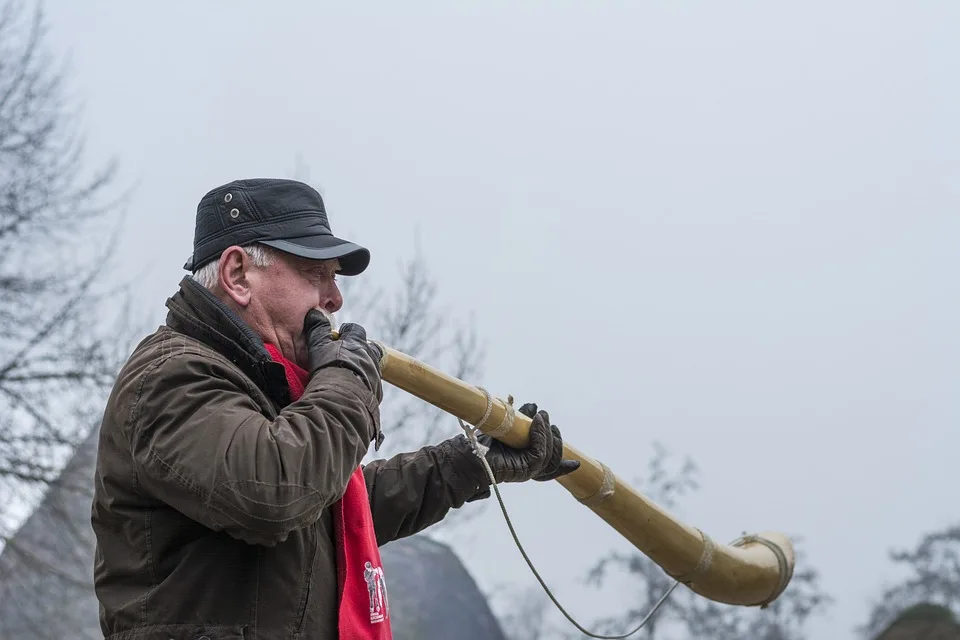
x,y
686,614
933,578
527,618
62,323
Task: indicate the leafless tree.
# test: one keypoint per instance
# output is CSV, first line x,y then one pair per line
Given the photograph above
x,y
643,577
784,619
63,323
61,319
932,578
686,615
527,617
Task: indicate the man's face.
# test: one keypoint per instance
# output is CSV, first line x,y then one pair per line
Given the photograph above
x,y
282,294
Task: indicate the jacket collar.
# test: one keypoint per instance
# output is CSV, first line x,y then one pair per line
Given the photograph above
x,y
196,312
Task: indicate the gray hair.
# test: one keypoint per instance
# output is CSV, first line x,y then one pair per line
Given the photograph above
x,y
260,254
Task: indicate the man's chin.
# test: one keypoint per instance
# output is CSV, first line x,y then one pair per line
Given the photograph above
x,y
302,357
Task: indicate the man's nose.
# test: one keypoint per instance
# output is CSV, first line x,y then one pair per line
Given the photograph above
x,y
333,300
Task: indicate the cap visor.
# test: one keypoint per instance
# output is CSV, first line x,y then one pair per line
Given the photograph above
x,y
353,258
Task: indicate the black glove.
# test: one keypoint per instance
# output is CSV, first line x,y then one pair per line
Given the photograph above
x,y
351,351
542,460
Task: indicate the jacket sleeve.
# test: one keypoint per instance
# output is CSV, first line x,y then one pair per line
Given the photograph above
x,y
201,444
412,491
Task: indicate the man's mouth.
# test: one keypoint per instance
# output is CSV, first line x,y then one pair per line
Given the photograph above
x,y
330,317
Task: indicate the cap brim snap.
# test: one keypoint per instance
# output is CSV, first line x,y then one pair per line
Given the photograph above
x,y
354,259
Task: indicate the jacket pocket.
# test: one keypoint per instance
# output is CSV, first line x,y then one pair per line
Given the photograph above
x,y
310,569
184,632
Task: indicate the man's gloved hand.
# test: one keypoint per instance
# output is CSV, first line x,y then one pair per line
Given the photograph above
x,y
351,351
542,460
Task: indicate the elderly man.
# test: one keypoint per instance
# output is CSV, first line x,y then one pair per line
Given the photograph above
x,y
230,499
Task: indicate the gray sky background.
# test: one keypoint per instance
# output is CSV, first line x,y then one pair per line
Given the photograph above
x,y
730,227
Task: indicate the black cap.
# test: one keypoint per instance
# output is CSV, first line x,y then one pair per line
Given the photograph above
x,y
284,214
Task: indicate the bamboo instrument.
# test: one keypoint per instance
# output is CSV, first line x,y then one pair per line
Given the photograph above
x,y
751,571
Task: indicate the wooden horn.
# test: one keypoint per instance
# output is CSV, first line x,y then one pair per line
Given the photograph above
x,y
751,571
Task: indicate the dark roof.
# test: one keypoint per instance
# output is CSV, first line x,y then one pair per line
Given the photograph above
x,y
46,570
924,620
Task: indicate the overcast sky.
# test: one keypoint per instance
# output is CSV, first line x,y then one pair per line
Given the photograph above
x,y
729,227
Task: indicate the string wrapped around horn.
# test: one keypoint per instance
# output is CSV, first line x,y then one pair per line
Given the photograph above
x,y
751,571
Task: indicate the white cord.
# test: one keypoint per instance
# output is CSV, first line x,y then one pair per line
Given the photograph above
x,y
481,451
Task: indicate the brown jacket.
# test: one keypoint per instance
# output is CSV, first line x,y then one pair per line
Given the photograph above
x,y
212,490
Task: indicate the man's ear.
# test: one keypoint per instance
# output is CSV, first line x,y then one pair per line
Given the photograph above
x,y
233,271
